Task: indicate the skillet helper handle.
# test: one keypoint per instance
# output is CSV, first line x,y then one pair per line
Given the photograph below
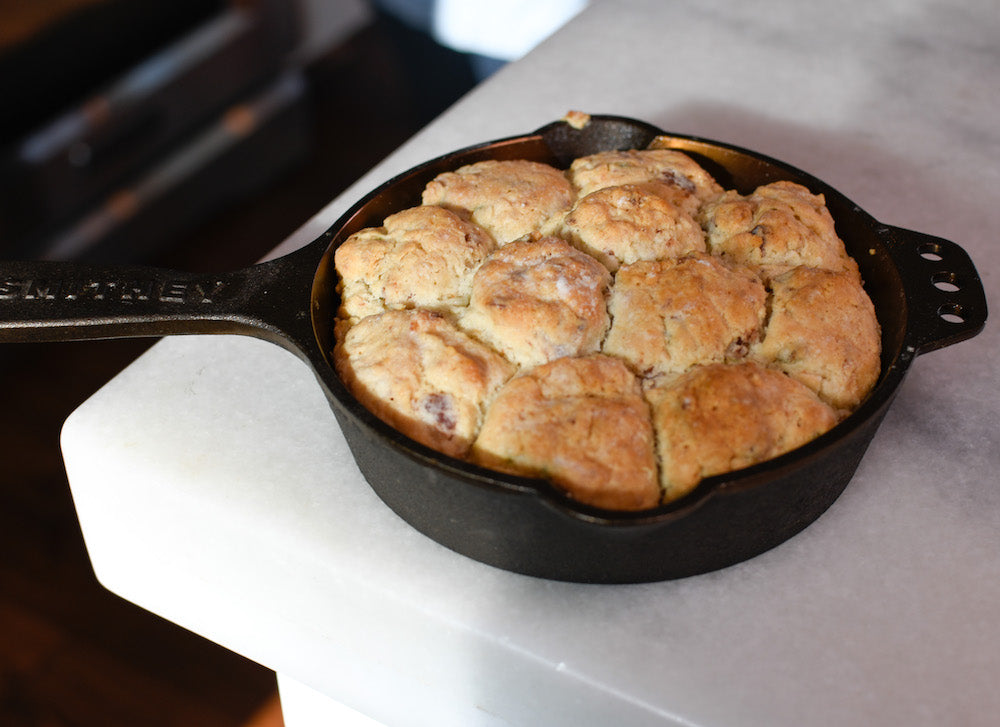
x,y
44,301
945,299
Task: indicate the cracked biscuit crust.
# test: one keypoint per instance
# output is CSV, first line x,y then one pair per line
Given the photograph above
x,y
824,333
535,300
421,375
723,417
779,226
422,257
631,222
510,198
688,185
580,422
669,315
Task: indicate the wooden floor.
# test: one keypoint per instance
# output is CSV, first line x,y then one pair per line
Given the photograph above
x,y
71,653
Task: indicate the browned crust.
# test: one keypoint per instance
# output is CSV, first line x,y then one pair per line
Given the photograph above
x,y
420,374
670,315
689,185
510,198
631,222
422,257
580,422
778,227
539,299
723,417
824,333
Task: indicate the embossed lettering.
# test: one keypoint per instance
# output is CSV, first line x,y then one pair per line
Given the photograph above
x,y
130,291
210,290
108,290
137,291
174,292
11,288
41,290
86,289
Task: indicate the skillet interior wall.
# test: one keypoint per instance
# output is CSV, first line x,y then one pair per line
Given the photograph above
x,y
70,652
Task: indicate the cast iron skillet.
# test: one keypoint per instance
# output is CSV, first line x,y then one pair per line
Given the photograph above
x,y
926,292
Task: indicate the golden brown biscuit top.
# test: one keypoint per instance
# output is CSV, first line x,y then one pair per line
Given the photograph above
x,y
418,372
689,185
510,198
779,226
631,222
537,299
723,417
670,315
580,422
420,257
824,333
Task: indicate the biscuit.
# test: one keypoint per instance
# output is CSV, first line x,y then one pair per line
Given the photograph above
x,y
631,222
510,198
779,226
421,375
689,185
581,423
421,257
538,299
723,417
669,315
823,332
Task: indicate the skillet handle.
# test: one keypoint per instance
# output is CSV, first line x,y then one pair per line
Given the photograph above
x,y
945,299
58,301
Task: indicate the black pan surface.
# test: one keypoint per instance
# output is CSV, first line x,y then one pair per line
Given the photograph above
x,y
926,291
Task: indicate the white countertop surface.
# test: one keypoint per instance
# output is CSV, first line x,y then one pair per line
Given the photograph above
x,y
214,487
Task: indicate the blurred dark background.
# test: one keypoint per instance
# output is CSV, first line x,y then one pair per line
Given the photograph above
x,y
193,134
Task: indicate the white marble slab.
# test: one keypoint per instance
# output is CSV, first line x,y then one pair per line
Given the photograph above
x,y
214,488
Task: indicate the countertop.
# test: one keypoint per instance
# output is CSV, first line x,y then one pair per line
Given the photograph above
x,y
214,487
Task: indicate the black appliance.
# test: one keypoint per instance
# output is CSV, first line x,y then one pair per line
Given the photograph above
x,y
120,118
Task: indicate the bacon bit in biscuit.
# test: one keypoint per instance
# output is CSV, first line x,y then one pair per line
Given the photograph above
x,y
440,410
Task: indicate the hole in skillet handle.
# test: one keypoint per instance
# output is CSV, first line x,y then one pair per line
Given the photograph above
x,y
945,300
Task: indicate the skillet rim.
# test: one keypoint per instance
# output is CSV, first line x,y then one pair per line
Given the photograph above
x,y
373,204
